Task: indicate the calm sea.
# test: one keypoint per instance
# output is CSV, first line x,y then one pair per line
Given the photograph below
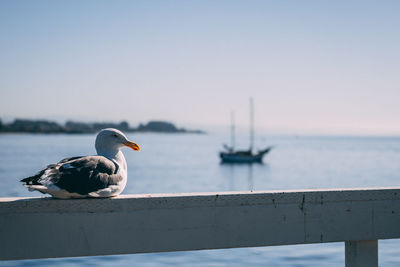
x,y
189,163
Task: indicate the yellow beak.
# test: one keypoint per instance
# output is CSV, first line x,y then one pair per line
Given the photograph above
x,y
132,145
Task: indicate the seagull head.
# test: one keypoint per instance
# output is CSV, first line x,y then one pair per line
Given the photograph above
x,y
110,141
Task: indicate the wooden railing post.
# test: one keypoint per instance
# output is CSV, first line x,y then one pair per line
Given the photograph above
x,y
361,253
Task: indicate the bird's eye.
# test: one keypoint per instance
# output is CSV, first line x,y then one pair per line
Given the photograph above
x,y
115,135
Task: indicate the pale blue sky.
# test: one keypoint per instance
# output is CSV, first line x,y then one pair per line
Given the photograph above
x,y
311,66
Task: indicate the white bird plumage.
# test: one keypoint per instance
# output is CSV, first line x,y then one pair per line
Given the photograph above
x,y
104,175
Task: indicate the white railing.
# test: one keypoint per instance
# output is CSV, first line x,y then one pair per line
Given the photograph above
x,y
32,228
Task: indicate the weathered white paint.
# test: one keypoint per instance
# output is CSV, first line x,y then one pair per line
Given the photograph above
x,y
361,253
44,227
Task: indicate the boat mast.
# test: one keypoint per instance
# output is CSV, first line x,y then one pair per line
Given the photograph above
x,y
251,125
233,130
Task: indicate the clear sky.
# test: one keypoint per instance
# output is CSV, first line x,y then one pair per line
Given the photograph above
x,y
330,67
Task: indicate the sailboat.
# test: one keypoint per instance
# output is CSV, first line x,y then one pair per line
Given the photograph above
x,y
230,155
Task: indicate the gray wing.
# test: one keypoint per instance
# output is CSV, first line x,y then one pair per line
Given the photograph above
x,y
80,175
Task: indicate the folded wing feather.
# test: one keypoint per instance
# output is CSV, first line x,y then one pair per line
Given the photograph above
x,y
81,175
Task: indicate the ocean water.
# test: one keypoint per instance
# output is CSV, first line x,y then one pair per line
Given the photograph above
x,y
170,163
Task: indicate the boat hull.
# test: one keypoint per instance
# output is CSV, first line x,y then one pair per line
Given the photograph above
x,y
232,158
243,156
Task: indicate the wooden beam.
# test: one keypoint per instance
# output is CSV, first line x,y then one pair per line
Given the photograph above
x,y
45,227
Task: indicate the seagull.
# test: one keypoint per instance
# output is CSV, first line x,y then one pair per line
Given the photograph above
x,y
104,175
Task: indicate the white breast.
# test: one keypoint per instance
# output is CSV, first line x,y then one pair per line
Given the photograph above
x,y
115,190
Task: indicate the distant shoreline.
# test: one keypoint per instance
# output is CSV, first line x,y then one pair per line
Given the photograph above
x,y
73,127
